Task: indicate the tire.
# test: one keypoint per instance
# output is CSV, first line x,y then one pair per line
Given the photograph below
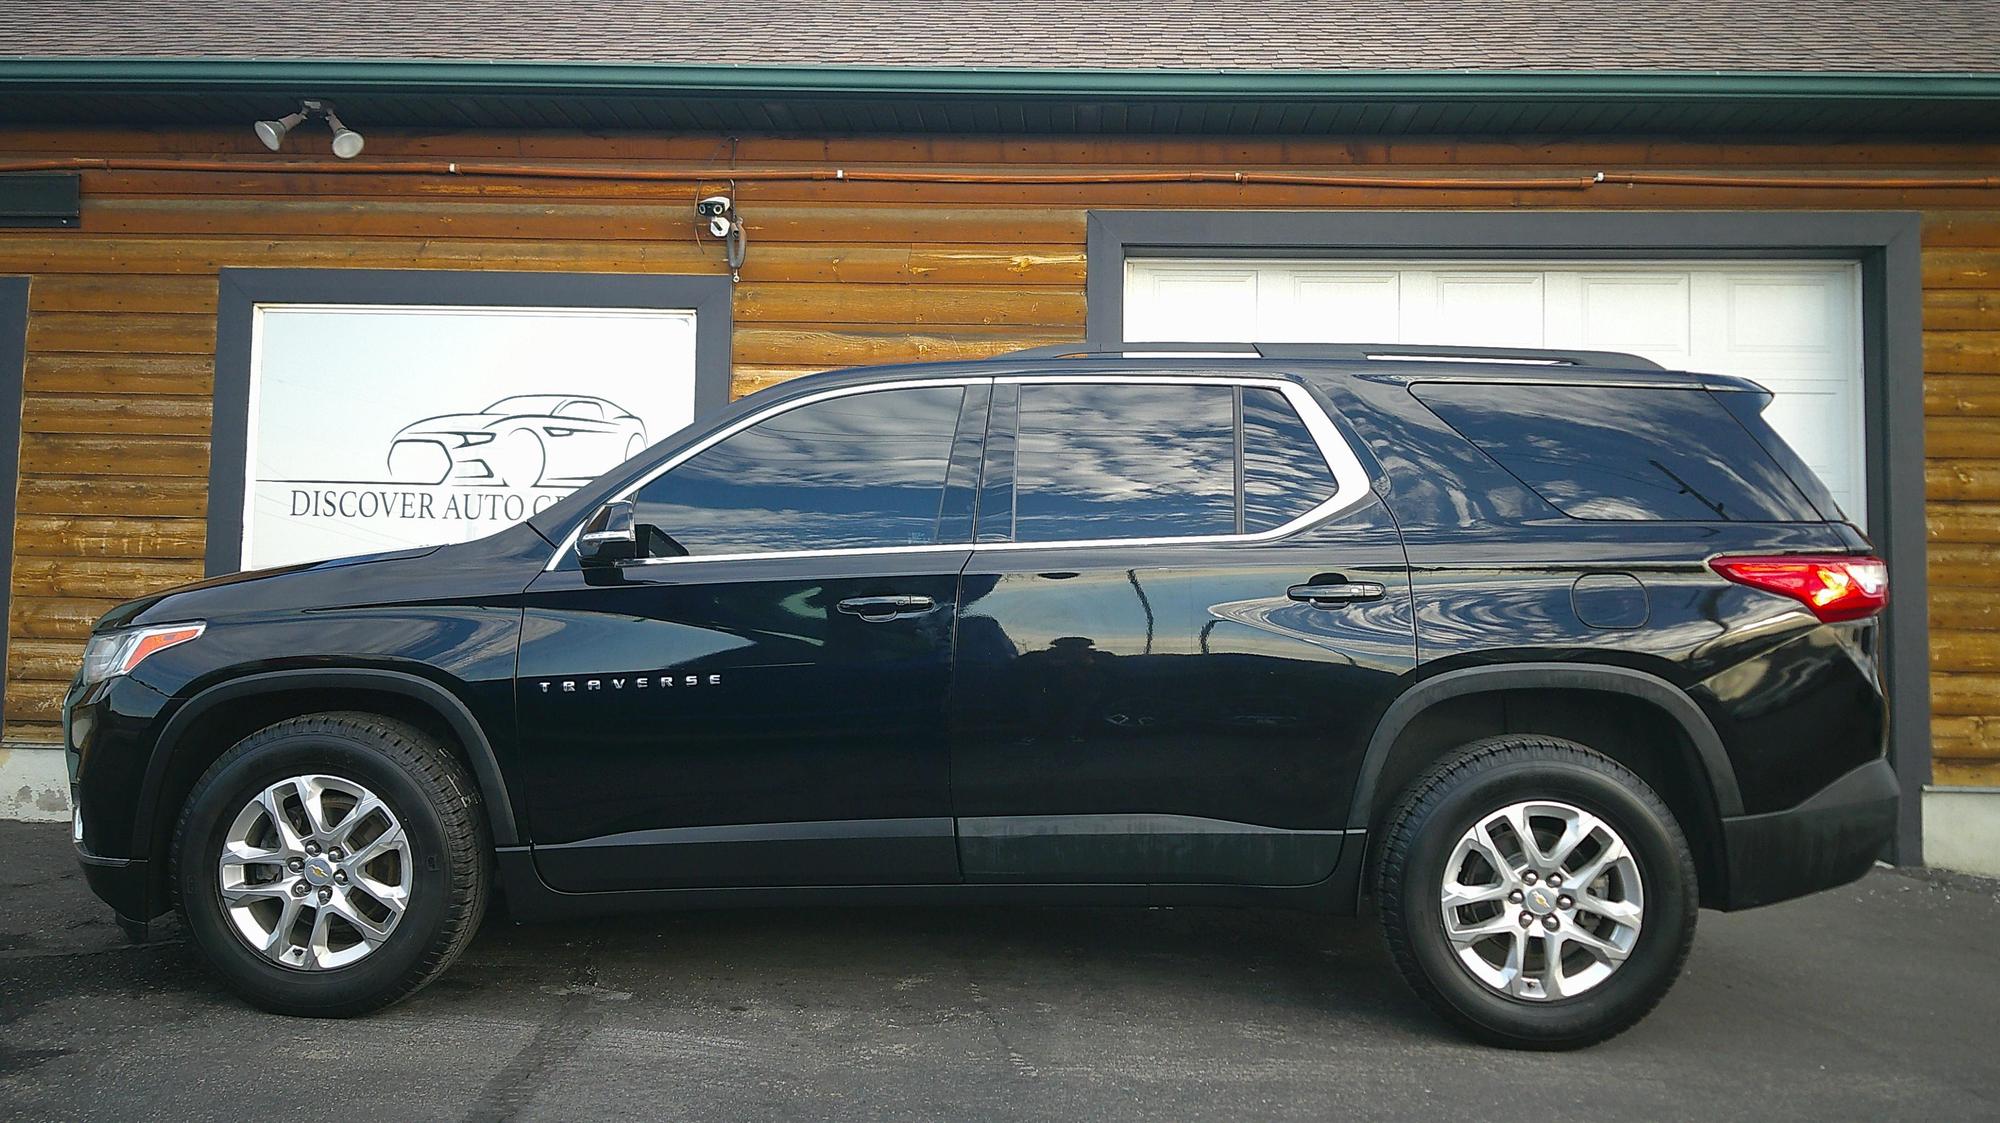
x,y
1576,1005
442,854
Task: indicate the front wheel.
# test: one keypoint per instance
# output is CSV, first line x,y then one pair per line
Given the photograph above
x,y
1536,893
331,864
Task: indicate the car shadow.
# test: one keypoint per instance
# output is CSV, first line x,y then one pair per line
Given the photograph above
x,y
1282,962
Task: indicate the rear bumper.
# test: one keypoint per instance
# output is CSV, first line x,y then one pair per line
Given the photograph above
x,y
1831,839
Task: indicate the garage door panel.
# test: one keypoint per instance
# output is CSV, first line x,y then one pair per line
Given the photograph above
x,y
1192,305
1817,413
1308,305
1647,313
1793,326
1788,320
1483,309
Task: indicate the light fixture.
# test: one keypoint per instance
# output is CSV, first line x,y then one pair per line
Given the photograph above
x,y
346,142
272,133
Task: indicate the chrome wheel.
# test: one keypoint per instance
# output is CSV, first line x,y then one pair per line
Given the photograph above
x,y
315,872
1542,900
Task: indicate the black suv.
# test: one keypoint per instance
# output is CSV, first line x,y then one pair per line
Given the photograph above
x,y
1540,650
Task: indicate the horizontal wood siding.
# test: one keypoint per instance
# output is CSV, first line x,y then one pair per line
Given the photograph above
x,y
114,452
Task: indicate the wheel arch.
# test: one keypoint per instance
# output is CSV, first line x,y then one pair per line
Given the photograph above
x,y
338,687
1461,705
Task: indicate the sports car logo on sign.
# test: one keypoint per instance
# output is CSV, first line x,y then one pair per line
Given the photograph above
x,y
531,440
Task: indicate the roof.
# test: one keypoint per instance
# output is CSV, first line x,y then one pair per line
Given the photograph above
x,y
1796,36
1342,67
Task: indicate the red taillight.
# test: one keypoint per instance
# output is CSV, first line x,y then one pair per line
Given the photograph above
x,y
1835,587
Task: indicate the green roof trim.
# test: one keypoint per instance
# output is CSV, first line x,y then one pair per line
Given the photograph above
x,y
419,76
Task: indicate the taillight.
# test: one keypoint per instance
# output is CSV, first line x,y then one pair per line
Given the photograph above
x,y
1835,587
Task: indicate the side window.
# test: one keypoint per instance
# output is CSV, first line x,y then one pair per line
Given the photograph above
x,y
1622,453
1284,472
863,470
1124,460
590,410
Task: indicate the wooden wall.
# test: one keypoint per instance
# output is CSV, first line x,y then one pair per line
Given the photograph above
x,y
112,490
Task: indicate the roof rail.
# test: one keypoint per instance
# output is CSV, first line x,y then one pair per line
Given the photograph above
x,y
1352,352
1087,349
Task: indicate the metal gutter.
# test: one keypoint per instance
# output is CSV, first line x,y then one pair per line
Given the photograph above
x,y
1370,180
333,76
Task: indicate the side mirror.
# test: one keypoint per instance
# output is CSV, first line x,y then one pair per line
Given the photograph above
x,y
609,537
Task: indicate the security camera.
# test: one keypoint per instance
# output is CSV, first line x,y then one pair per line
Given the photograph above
x,y
715,209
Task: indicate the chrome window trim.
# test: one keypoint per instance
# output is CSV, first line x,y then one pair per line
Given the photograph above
x,y
568,544
1350,479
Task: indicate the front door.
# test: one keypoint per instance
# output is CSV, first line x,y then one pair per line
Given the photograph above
x,y
1174,640
761,699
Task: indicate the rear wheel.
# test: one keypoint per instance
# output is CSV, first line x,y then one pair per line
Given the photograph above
x,y
1536,893
331,864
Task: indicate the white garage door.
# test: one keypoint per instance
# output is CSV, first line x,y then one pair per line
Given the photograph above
x,y
1793,326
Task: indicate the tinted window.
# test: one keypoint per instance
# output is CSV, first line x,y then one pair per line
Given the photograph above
x,y
1284,473
1606,452
1124,461
845,473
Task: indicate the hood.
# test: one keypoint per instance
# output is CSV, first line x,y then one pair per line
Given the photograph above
x,y
452,423
501,563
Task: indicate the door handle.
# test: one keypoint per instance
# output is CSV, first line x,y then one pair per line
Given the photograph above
x,y
1329,596
877,609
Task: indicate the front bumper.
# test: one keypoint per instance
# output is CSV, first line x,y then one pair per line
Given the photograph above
x,y
108,734
122,883
1830,839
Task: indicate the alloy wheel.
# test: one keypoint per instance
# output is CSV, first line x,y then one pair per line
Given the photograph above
x,y
315,872
1542,900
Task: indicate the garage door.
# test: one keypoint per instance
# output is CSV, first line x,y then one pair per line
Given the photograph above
x,y
1793,326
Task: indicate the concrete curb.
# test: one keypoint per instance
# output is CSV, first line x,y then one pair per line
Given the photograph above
x,y
34,783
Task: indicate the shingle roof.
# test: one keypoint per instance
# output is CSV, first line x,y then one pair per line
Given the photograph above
x,y
1799,36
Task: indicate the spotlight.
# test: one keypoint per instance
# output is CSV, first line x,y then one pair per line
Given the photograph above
x,y
346,142
272,133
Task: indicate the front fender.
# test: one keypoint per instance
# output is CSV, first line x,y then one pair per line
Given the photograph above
x,y
485,765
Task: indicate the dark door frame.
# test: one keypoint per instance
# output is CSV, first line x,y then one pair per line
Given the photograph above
x,y
1886,244
13,374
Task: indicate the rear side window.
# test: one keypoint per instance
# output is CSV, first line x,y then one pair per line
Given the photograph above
x,y
863,470
1622,453
1122,460
1111,460
1284,473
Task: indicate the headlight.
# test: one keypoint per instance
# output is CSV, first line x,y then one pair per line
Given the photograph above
x,y
115,653
474,439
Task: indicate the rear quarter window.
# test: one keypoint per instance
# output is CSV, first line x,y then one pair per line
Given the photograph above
x,y
1622,452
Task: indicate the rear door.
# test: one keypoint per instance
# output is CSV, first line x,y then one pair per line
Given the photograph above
x,y
1185,611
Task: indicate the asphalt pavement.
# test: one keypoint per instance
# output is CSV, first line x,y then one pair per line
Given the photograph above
x,y
1877,1001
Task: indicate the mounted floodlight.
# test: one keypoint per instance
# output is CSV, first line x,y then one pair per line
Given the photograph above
x,y
272,133
346,142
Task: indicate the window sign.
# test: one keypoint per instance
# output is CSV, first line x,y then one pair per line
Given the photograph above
x,y
381,427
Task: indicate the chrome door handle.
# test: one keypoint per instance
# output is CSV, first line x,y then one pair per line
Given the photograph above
x,y
1329,596
877,609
